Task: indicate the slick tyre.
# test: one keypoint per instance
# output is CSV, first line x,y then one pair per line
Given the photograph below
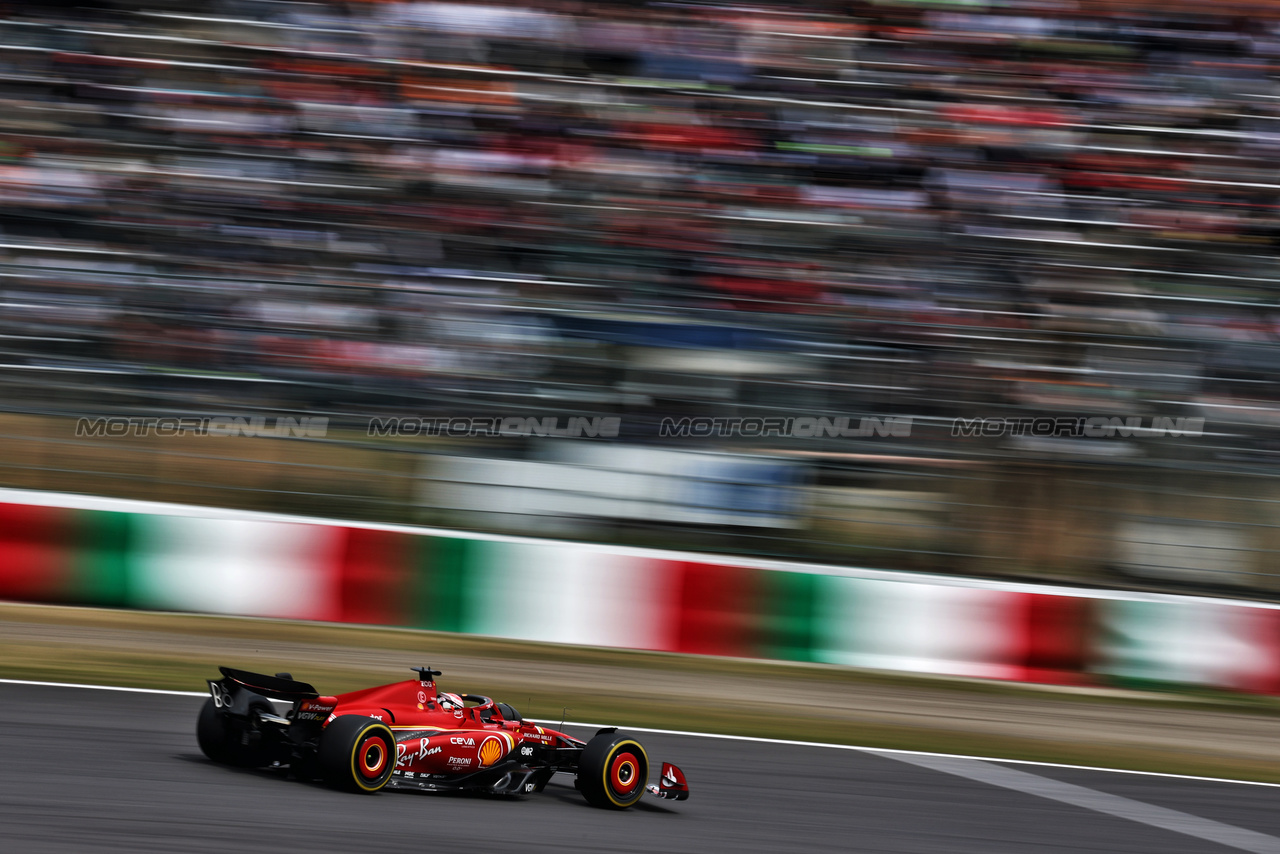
x,y
212,733
227,741
612,771
357,754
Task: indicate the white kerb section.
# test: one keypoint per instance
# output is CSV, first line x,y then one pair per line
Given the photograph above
x,y
1198,643
572,594
236,566
920,628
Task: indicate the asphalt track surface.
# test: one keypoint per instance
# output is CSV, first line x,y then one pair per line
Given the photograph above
x,y
89,771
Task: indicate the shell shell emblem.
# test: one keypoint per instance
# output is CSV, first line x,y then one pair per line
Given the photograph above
x,y
491,751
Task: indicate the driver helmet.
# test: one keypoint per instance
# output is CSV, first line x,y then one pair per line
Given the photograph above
x,y
449,701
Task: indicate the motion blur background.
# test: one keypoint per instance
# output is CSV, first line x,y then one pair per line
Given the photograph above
x,y
923,210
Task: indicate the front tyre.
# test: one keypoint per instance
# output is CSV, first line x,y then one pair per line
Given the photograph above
x,y
357,754
612,771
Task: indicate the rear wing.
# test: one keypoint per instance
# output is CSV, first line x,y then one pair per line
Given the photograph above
x,y
275,687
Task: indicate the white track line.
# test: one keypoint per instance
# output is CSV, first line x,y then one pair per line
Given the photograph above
x,y
104,688
887,751
891,751
1108,804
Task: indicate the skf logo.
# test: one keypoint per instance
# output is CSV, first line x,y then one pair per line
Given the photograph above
x,y
490,751
466,742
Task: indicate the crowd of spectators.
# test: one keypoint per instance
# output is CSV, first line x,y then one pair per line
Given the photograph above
x,y
1055,205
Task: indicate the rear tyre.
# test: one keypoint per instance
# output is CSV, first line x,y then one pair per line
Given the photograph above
x,y
212,733
357,754
612,771
229,741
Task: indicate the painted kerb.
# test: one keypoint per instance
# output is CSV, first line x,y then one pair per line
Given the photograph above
x,y
130,555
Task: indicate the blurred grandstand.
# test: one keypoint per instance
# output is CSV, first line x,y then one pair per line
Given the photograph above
x,y
888,210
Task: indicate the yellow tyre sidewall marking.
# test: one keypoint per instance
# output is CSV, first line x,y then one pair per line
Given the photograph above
x,y
608,768
355,754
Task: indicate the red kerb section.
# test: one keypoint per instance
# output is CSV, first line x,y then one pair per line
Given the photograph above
x,y
715,611
1053,641
35,545
373,582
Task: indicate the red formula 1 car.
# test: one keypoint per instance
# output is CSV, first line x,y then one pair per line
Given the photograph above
x,y
410,735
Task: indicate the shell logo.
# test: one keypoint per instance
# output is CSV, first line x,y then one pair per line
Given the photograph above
x,y
490,751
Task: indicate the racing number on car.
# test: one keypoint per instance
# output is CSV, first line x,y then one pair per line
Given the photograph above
x,y
221,696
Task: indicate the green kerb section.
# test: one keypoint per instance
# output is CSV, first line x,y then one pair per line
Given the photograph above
x,y
440,569
1133,644
485,589
100,559
785,628
838,636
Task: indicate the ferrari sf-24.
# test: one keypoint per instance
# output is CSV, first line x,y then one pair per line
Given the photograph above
x,y
410,735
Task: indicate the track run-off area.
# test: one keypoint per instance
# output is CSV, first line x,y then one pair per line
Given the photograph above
x,y
108,769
